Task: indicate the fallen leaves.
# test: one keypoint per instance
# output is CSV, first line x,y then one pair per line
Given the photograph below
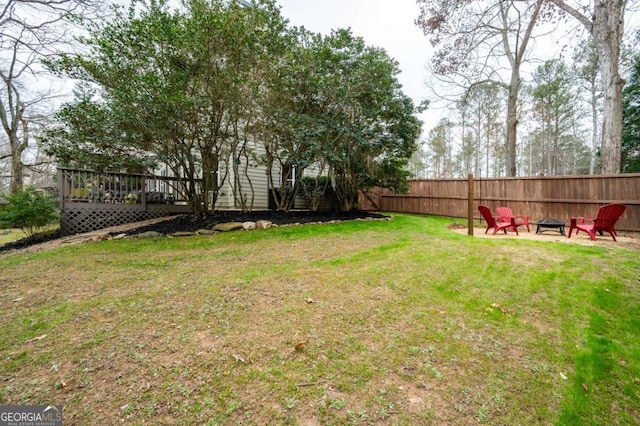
x,y
299,347
495,306
61,384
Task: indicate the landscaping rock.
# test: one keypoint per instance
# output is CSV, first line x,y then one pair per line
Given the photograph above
x,y
204,232
183,234
226,227
248,226
101,237
149,234
263,224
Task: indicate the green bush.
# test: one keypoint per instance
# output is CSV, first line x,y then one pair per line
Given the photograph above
x,y
3,207
317,192
29,210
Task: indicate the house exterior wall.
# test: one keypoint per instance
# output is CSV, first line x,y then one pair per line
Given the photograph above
x,y
256,185
259,179
311,171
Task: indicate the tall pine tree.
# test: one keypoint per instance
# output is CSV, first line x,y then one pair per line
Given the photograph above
x,y
631,121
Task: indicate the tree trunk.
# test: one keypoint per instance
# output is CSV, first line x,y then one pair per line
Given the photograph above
x,y
594,126
608,21
17,148
512,120
17,170
607,28
516,57
11,117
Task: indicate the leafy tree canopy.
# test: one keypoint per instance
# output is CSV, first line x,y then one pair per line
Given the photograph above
x,y
189,88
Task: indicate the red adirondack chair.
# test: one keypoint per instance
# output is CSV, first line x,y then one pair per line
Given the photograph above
x,y
605,221
499,225
505,213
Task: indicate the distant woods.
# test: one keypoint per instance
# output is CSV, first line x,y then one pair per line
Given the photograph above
x,y
563,115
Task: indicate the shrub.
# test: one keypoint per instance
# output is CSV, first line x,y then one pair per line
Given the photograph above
x,y
3,207
317,192
29,210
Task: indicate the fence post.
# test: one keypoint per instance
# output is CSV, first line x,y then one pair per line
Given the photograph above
x,y
470,206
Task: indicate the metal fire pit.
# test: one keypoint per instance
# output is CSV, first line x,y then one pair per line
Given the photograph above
x,y
551,223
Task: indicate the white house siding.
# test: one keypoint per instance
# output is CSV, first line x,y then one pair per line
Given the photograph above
x,y
259,180
311,171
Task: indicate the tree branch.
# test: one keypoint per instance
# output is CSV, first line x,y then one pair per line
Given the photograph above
x,y
574,12
469,89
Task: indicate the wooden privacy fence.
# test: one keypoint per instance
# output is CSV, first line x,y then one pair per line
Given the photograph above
x,y
560,197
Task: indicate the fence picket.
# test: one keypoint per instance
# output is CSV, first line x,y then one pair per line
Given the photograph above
x,y
539,197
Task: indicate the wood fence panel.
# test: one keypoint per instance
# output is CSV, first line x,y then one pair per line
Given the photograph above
x,y
538,197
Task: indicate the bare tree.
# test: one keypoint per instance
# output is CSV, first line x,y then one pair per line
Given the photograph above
x,y
552,93
484,105
30,30
473,38
418,162
440,148
604,20
585,69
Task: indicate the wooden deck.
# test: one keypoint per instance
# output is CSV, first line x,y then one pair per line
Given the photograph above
x,y
91,200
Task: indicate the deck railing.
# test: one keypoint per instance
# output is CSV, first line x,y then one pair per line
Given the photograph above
x,y
87,186
91,200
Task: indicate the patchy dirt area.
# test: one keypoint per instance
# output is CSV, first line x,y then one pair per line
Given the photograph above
x,y
624,241
185,223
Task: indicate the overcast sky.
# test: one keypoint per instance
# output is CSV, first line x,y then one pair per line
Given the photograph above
x,y
384,23
388,24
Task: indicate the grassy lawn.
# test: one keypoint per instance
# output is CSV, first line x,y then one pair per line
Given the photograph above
x,y
399,322
11,234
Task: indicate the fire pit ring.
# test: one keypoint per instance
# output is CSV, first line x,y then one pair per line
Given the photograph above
x,y
552,223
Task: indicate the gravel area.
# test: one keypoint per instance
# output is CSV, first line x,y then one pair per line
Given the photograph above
x,y
626,241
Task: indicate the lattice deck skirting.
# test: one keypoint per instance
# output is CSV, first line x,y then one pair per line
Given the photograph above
x,y
86,217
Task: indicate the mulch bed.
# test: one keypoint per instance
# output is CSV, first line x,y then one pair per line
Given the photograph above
x,y
189,223
186,223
